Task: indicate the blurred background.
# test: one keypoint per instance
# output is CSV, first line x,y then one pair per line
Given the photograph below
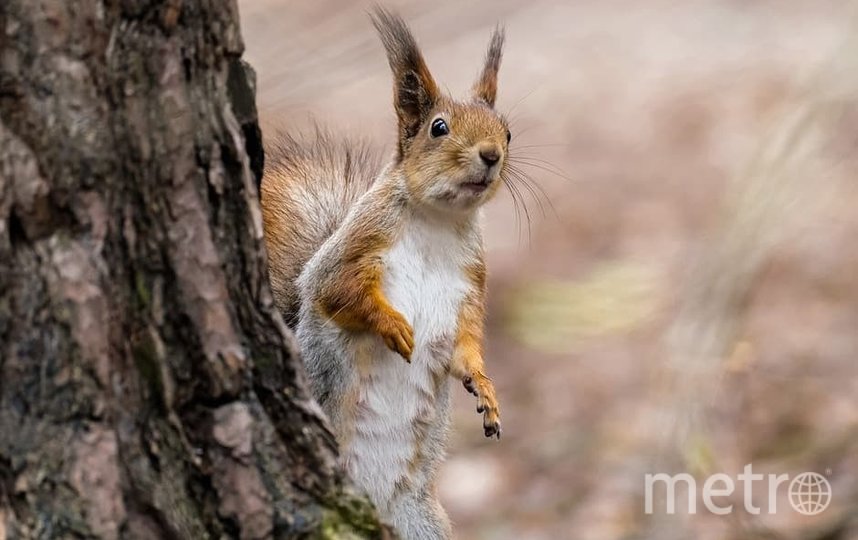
x,y
678,289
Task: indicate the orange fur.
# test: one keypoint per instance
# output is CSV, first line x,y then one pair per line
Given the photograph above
x,y
353,298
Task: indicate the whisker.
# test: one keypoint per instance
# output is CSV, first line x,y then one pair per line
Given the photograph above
x,y
536,191
528,146
526,178
517,176
543,166
518,195
515,209
520,100
516,134
534,159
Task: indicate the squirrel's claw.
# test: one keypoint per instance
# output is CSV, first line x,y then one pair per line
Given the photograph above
x,y
487,405
468,383
491,422
492,429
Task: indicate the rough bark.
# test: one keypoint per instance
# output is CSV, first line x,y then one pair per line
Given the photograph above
x,y
148,388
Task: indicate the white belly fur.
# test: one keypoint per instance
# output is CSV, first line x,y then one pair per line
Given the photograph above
x,y
423,280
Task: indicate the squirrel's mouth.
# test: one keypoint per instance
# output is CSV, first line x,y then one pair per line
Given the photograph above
x,y
476,186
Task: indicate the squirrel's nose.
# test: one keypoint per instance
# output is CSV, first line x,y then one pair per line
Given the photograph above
x,y
489,154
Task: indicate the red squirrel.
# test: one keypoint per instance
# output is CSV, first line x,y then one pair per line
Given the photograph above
x,y
381,271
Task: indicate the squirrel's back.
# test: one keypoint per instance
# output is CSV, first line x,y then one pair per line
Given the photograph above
x,y
309,186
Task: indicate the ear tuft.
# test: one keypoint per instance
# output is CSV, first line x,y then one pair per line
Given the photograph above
x,y
414,90
487,86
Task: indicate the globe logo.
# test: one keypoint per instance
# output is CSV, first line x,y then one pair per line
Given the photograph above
x,y
809,493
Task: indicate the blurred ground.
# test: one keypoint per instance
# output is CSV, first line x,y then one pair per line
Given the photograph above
x,y
650,295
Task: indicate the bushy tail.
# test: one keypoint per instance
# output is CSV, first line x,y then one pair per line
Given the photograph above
x,y
310,183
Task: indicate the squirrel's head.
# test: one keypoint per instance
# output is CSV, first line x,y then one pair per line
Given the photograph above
x,y
453,154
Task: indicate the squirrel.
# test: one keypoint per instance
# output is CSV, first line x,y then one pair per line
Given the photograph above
x,y
381,273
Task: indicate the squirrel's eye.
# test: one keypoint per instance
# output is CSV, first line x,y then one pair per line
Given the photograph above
x,y
508,136
439,128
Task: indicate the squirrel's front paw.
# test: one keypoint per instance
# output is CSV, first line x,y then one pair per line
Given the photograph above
x,y
397,334
487,403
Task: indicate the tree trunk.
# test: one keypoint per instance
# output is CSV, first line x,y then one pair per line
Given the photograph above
x,y
148,388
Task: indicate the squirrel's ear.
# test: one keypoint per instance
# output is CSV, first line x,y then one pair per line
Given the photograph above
x,y
486,88
414,90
